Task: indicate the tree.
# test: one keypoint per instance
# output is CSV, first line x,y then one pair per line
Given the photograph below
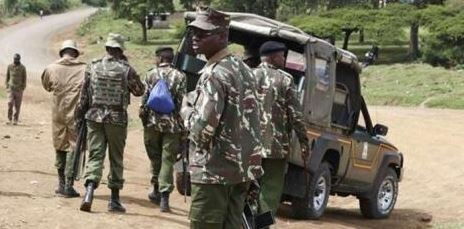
x,y
137,10
267,8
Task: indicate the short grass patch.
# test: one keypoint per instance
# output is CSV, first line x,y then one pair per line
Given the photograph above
x,y
413,85
452,225
94,31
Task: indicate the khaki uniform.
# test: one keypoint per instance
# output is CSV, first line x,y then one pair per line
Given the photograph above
x,y
163,132
64,78
16,79
103,103
281,114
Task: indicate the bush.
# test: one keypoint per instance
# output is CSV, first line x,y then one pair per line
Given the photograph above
x,y
98,3
445,42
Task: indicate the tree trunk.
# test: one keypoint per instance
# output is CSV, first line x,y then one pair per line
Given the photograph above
x,y
348,33
375,4
414,41
144,31
361,36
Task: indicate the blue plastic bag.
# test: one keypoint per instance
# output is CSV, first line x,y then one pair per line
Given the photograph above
x,y
160,99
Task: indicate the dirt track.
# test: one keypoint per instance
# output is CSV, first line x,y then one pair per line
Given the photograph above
x,y
431,140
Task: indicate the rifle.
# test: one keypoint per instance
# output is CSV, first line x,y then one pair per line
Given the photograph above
x,y
250,217
79,151
185,161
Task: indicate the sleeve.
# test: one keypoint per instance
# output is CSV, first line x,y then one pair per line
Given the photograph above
x,y
83,104
24,78
181,90
294,113
209,112
46,83
146,82
136,87
7,76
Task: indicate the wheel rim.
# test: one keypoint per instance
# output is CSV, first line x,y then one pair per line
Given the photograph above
x,y
320,193
385,196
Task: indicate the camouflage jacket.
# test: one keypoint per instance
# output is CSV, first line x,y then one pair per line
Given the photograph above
x,y
16,77
225,137
89,109
166,123
281,111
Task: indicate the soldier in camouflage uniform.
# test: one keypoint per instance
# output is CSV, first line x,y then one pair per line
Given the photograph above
x,y
64,78
103,104
15,84
281,113
163,132
224,128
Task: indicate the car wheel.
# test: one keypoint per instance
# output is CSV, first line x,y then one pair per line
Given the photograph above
x,y
383,199
314,205
183,188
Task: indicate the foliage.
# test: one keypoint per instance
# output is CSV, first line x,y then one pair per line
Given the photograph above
x,y
445,42
318,26
412,85
99,3
267,8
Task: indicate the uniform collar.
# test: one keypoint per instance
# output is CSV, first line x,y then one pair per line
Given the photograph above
x,y
164,65
268,65
218,56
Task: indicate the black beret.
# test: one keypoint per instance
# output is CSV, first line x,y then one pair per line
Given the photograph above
x,y
271,47
163,48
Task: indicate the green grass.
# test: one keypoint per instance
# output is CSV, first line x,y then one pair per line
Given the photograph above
x,y
95,30
413,84
2,93
452,225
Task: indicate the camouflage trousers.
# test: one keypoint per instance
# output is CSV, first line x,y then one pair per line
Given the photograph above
x,y
101,136
272,183
15,98
217,206
65,161
162,150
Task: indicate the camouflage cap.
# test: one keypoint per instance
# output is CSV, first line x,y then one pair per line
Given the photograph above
x,y
210,19
68,44
115,40
16,56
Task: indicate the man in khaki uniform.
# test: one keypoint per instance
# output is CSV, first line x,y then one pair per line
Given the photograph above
x,y
103,103
64,78
163,132
15,84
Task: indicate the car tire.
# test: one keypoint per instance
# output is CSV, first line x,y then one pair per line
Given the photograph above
x,y
180,184
314,205
383,198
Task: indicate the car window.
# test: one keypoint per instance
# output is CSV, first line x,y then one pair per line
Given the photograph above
x,y
322,75
295,61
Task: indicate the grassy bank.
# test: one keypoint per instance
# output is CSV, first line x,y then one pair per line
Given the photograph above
x,y
94,31
413,85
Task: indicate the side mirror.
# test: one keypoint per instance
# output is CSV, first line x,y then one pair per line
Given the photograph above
x,y
380,129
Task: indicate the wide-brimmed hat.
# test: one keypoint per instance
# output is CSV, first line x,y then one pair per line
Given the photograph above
x,y
115,40
69,44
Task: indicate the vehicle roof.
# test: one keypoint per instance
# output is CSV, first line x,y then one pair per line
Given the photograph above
x,y
252,23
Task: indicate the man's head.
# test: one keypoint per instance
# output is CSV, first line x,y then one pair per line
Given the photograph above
x,y
164,55
273,52
115,45
210,31
69,48
16,58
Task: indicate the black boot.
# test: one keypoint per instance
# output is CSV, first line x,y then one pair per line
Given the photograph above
x,y
69,191
115,205
155,196
61,182
164,204
86,204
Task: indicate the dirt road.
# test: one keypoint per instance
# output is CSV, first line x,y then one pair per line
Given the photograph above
x,y
32,37
432,189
